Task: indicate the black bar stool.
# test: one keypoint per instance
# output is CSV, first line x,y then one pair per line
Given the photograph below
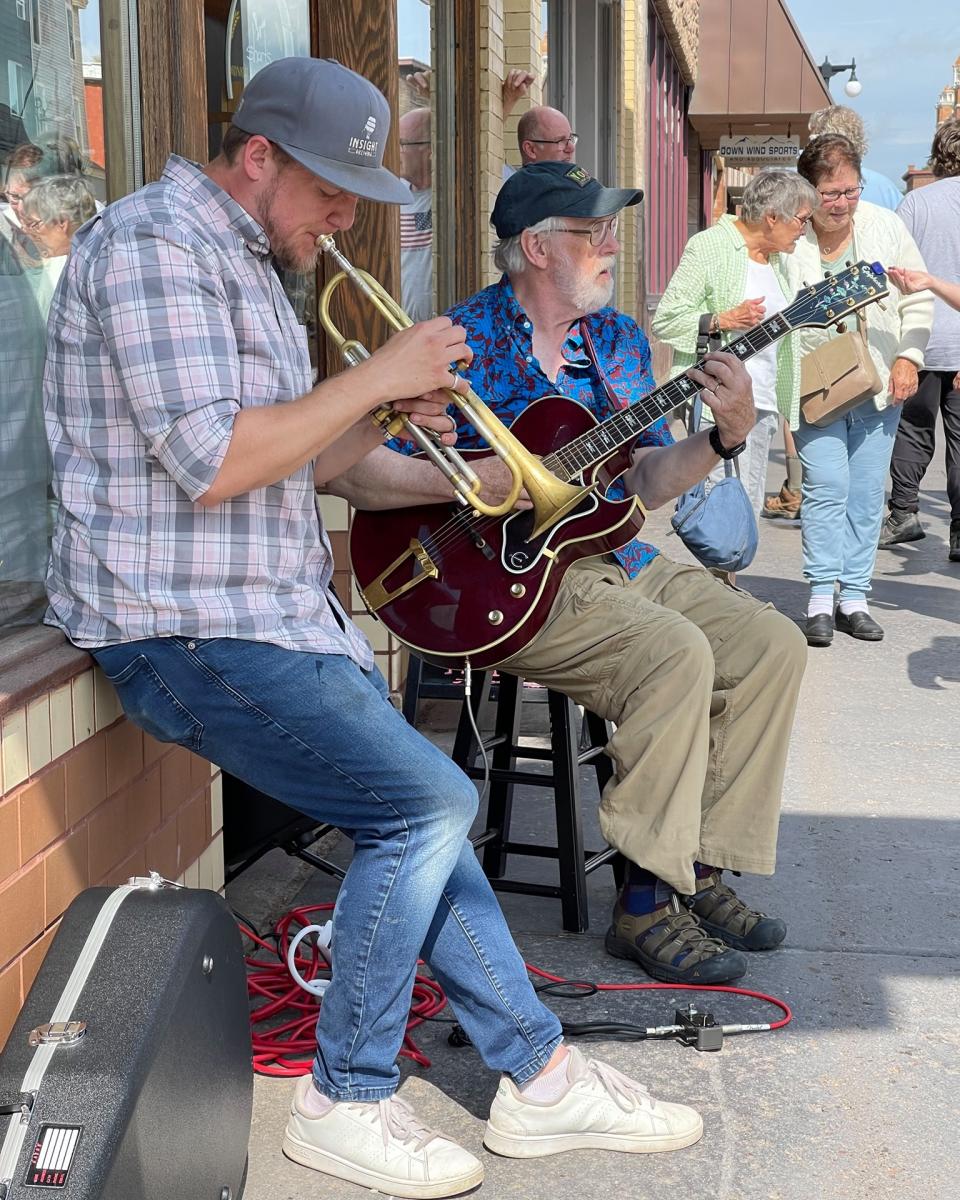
x,y
570,748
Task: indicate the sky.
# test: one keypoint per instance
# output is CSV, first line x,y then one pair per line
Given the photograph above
x,y
904,50
413,29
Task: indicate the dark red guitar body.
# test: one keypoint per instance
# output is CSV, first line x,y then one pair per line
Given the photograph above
x,y
493,587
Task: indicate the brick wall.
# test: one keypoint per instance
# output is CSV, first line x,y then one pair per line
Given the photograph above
x,y
681,22
89,799
630,166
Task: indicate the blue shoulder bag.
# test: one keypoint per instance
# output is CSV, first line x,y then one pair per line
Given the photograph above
x,y
717,527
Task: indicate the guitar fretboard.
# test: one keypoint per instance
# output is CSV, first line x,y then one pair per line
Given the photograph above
x,y
625,425
821,305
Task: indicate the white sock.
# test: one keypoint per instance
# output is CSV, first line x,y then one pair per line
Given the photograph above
x,y
548,1085
314,1103
857,604
820,604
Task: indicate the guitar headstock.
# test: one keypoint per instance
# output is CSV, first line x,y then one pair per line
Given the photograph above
x,y
838,296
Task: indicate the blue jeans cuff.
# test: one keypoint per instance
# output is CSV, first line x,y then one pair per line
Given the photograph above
x,y
526,1073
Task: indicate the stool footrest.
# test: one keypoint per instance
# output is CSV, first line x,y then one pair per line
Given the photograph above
x,y
591,858
503,775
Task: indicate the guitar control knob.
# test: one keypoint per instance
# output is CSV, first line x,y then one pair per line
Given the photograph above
x,y
517,589
495,616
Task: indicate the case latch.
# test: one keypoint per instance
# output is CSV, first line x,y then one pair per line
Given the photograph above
x,y
57,1033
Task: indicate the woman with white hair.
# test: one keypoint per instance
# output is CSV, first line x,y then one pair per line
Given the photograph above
x,y
51,212
734,272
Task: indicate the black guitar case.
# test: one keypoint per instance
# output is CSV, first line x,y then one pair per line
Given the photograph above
x,y
128,1073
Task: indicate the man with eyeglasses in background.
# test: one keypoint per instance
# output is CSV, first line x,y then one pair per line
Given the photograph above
x,y
543,135
701,680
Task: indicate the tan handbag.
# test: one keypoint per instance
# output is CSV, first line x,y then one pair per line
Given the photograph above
x,y
837,376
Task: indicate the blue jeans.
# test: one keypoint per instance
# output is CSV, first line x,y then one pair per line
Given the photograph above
x,y
844,473
319,734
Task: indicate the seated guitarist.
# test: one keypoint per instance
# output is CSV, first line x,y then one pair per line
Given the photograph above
x,y
700,679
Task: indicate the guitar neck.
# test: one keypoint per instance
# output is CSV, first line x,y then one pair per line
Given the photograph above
x,y
624,426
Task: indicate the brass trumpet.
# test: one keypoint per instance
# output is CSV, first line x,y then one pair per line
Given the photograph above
x,y
551,497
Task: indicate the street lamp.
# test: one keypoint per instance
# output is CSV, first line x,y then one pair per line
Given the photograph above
x,y
853,86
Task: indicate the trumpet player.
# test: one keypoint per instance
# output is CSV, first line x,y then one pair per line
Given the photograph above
x,y
189,560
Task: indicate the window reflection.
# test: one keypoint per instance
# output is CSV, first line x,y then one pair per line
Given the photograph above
x,y
417,104
52,179
242,36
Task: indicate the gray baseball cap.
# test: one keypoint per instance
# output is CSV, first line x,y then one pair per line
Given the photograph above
x,y
330,119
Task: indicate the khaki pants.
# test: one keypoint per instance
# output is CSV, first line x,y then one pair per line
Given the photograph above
x,y
701,681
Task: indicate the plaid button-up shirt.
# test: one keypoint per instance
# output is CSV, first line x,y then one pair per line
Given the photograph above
x,y
170,319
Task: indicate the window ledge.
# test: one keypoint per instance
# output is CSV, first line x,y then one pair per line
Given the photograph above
x,y
33,661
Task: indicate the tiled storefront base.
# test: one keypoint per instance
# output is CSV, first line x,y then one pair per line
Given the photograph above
x,y
88,799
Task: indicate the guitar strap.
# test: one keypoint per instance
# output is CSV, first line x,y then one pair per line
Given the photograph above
x,y
620,461
612,396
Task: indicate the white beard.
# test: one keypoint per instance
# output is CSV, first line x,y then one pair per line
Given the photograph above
x,y
586,293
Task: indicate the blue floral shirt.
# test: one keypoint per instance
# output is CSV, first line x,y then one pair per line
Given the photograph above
x,y
506,375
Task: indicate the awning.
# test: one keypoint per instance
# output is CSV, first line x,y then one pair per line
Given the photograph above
x,y
755,73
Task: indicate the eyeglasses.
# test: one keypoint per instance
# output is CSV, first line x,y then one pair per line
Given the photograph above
x,y
832,197
803,222
571,139
598,232
32,226
15,197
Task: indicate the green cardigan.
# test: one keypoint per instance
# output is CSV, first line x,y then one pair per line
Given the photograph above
x,y
712,277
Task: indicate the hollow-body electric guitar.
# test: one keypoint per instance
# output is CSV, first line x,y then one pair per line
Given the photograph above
x,y
453,585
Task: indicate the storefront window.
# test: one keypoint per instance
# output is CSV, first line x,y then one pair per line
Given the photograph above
x,y
416,130
242,36
53,177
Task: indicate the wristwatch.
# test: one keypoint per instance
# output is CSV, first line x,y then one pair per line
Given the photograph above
x,y
719,448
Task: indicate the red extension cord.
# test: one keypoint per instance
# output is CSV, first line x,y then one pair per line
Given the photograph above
x,y
287,1048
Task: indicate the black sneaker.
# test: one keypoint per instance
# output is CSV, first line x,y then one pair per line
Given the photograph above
x,y
819,629
859,625
955,545
900,527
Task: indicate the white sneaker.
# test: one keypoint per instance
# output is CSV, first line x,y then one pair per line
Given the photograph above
x,y
601,1110
380,1145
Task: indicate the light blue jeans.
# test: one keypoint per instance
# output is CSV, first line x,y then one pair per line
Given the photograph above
x,y
844,475
319,734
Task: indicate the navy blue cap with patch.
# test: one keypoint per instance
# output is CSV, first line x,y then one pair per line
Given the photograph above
x,y
555,189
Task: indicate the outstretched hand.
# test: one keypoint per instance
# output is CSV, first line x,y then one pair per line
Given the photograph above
x,y
907,281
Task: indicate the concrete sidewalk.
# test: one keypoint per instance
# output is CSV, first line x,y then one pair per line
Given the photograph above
x,y
858,1097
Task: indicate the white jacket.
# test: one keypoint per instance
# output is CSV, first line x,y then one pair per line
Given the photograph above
x,y
901,328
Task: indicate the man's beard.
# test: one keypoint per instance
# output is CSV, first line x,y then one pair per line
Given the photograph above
x,y
586,293
287,258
